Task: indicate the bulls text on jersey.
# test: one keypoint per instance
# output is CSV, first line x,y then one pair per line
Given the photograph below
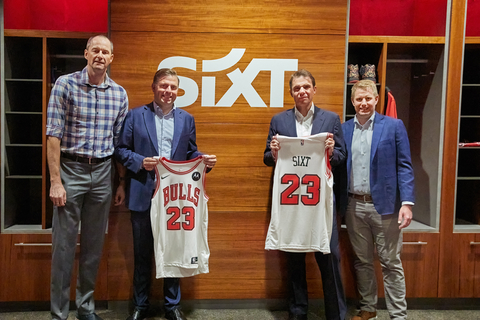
x,y
181,191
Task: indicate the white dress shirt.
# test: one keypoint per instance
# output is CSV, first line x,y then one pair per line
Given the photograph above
x,y
304,124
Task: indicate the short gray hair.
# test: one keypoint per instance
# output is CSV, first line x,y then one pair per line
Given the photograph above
x,y
89,42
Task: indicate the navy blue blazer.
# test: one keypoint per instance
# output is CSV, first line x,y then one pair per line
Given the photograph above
x,y
284,124
391,171
138,140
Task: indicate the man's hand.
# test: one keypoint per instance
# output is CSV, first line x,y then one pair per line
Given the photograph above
x,y
329,145
405,216
58,195
120,194
149,163
274,147
209,160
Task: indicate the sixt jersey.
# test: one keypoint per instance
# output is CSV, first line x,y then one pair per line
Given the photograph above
x,y
302,198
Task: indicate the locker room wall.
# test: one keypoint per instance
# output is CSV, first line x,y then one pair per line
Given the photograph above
x,y
146,33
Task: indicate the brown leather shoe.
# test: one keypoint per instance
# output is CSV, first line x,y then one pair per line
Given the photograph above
x,y
365,315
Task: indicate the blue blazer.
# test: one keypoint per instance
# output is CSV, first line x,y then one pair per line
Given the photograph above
x,y
138,140
323,121
284,123
391,171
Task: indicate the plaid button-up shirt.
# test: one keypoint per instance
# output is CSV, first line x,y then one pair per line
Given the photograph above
x,y
86,118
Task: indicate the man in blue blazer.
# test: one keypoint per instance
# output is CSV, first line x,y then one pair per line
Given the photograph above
x,y
303,120
380,199
155,129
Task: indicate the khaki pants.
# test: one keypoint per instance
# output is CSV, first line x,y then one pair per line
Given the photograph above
x,y
368,231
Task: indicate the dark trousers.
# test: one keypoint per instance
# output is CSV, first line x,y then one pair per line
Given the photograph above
x,y
142,275
329,264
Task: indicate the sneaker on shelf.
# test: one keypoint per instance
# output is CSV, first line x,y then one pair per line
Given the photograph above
x,y
353,75
368,72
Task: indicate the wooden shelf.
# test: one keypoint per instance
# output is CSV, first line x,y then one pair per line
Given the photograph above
x,y
23,112
396,39
23,177
49,34
468,161
23,80
32,60
472,40
67,56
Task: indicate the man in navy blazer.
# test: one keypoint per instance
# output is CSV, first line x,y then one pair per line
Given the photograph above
x,y
380,199
155,129
306,119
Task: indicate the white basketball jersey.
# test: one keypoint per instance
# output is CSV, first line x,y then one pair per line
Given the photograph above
x,y
302,199
179,217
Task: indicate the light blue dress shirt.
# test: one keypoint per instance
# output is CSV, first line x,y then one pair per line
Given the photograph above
x,y
164,124
361,146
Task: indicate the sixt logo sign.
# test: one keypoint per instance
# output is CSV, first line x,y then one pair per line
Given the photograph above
x,y
241,81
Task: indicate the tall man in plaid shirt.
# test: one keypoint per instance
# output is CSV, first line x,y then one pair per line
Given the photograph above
x,y
84,117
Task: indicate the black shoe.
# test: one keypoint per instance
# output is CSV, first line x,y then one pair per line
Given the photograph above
x,y
138,315
92,316
297,316
175,314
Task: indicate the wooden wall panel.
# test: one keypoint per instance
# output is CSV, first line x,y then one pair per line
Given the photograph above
x,y
239,265
323,55
248,140
239,187
248,16
120,255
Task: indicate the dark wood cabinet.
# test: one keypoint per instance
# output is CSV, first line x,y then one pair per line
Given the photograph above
x,y
25,267
459,261
467,209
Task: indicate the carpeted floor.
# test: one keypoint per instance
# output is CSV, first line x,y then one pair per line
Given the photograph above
x,y
120,312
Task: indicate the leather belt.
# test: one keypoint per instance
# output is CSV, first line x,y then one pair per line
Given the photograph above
x,y
361,197
84,159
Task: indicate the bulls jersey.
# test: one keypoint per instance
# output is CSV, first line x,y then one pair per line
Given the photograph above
x,y
179,219
302,199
